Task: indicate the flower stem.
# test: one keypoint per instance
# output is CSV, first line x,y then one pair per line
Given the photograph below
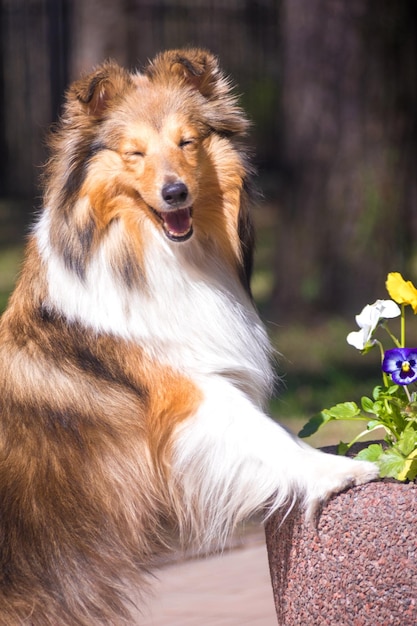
x,y
402,326
394,339
407,393
385,378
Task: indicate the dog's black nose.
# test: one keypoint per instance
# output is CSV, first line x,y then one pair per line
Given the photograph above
x,y
175,194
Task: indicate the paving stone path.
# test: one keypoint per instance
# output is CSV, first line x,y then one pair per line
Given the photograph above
x,y
232,589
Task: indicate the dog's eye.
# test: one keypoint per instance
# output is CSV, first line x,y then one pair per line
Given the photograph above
x,y
133,155
186,142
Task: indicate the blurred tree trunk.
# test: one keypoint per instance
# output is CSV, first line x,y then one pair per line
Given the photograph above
x,y
349,214
99,30
33,59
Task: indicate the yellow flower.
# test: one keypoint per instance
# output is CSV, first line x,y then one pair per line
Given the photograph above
x,y
401,291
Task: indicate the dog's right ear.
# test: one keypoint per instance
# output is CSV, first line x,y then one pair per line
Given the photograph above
x,y
196,67
199,69
97,91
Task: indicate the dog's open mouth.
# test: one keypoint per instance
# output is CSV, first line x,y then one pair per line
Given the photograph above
x,y
177,224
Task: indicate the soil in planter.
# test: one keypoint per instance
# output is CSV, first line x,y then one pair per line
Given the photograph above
x,y
358,567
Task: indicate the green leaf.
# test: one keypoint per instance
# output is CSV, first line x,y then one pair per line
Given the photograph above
x,y
391,463
312,426
407,441
342,448
343,411
367,404
376,392
379,408
371,453
410,468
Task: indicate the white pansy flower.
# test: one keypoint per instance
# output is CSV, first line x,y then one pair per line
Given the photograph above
x,y
368,319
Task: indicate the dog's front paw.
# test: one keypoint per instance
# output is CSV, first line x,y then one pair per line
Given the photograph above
x,y
332,474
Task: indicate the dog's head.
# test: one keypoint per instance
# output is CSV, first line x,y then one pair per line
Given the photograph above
x,y
154,146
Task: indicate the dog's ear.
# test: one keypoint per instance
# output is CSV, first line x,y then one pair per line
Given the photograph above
x,y
195,67
96,91
200,70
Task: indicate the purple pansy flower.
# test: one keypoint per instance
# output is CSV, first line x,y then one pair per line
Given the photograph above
x,y
401,363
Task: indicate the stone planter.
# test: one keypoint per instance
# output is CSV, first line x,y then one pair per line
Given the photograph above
x,y
357,567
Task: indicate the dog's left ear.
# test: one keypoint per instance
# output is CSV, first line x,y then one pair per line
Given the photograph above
x,y
200,70
96,91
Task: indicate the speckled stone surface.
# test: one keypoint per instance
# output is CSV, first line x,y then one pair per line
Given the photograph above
x,y
358,567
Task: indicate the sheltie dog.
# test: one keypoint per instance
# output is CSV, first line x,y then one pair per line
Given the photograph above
x,y
134,368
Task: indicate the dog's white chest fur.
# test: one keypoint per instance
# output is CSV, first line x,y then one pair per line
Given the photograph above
x,y
189,313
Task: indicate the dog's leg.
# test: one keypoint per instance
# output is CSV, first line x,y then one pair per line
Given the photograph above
x,y
231,460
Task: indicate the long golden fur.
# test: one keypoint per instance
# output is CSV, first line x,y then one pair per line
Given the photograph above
x,y
133,365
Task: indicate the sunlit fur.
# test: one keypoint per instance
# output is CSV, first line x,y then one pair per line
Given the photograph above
x,y
134,369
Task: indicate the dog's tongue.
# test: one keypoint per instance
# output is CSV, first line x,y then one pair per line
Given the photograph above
x,y
177,222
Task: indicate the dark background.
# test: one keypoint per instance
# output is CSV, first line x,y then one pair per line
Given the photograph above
x,y
330,86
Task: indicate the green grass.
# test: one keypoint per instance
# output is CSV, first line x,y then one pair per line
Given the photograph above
x,y
10,260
